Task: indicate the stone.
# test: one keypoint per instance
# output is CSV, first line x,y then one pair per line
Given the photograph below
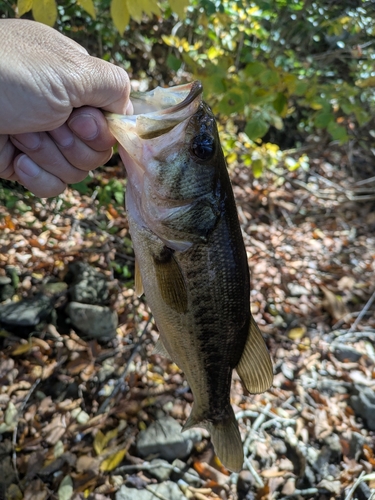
x,y
161,469
356,443
163,438
168,490
347,354
363,404
26,312
98,322
87,285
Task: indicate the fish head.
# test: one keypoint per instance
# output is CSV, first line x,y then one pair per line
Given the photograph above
x,y
172,154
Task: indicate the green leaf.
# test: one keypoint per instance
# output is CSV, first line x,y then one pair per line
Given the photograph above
x,y
322,119
301,88
269,77
256,128
257,168
361,116
120,15
254,69
232,102
280,103
338,132
45,11
173,62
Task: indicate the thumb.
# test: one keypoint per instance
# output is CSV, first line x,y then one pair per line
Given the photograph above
x,y
101,85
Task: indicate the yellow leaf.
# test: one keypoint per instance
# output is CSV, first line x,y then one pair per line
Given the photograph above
x,y
112,461
120,15
179,6
24,6
88,6
297,333
366,82
150,7
22,348
99,442
45,11
135,9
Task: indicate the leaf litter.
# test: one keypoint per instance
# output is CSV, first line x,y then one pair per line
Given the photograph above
x,y
71,407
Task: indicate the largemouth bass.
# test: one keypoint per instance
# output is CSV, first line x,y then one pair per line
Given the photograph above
x,y
190,255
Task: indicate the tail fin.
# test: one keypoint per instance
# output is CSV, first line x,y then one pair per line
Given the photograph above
x,y
225,437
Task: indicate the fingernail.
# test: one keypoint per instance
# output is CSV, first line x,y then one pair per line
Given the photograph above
x,y
84,126
30,140
27,166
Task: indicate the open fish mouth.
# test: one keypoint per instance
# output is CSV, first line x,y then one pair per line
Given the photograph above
x,y
158,111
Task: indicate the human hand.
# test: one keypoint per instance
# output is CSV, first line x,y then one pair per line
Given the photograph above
x,y
45,142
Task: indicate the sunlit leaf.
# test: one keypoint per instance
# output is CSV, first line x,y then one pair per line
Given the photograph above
x,y
179,6
366,82
113,461
257,167
120,14
135,9
24,6
99,442
45,11
88,6
256,128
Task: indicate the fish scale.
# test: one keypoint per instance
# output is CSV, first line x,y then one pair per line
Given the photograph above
x,y
190,256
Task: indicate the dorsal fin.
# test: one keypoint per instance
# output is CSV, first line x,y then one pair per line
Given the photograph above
x,y
255,366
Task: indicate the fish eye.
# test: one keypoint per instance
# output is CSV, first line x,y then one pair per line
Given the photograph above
x,y
203,146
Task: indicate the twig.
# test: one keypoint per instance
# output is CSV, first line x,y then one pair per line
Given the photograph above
x,y
15,430
256,476
120,381
362,313
147,466
307,492
360,479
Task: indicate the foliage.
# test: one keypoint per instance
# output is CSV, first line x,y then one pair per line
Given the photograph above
x,y
277,70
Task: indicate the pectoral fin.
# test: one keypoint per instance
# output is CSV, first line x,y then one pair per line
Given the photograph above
x,y
171,281
255,366
138,280
161,349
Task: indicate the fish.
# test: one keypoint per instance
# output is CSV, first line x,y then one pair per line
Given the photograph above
x,y
191,261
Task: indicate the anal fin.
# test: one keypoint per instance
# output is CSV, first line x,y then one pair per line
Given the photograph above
x,y
255,366
138,280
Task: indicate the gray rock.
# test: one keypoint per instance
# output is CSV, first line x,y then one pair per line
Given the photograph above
x,y
165,439
6,292
5,280
189,475
161,469
168,490
27,312
98,322
363,404
356,445
346,353
86,284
